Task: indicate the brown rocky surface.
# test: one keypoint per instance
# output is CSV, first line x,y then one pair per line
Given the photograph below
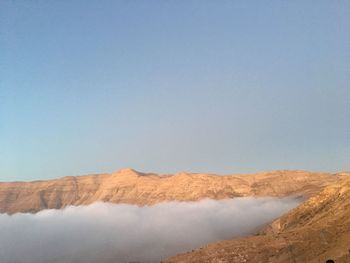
x,y
130,186
317,230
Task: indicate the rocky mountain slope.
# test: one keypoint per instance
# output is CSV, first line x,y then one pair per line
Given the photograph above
x,y
317,230
130,186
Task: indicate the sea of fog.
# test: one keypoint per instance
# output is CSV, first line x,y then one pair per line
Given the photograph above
x,y
106,233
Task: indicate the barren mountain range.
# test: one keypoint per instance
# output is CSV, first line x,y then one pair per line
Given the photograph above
x,y
316,230
132,187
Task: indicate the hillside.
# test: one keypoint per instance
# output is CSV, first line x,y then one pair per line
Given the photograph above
x,y
130,186
317,230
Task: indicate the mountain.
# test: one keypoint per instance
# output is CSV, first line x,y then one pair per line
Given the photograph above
x,y
130,186
317,230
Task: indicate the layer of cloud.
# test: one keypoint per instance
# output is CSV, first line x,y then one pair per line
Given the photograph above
x,y
104,232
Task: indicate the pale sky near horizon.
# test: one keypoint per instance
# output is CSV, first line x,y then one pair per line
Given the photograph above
x,y
168,86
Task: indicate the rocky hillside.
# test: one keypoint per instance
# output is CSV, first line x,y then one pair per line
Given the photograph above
x,y
130,186
317,230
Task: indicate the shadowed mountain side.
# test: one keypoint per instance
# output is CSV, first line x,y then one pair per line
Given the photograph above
x,y
132,187
313,232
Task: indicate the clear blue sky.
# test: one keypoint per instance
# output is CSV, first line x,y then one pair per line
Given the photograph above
x,y
167,86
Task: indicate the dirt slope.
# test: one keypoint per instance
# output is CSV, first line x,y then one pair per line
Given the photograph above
x,y
317,230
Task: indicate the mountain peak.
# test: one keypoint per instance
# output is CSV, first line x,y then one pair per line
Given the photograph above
x,y
128,171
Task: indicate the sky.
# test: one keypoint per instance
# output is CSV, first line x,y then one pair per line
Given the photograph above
x,y
169,86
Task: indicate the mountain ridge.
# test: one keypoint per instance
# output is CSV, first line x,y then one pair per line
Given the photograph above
x,y
133,187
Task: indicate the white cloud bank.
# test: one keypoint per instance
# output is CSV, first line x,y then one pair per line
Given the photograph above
x,y
106,233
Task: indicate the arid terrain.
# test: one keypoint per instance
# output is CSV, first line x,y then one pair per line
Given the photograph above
x,y
314,231
132,187
317,230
